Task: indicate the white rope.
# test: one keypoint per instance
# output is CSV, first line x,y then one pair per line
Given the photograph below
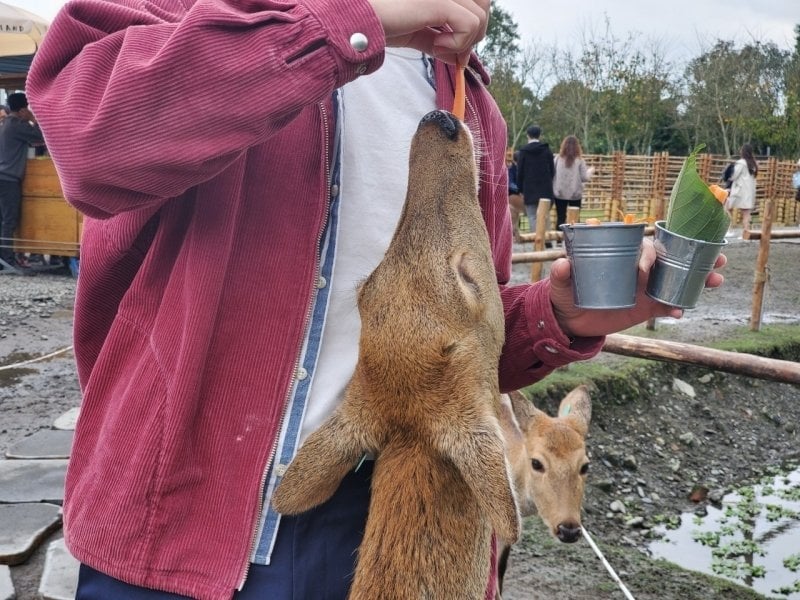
x,y
33,360
608,567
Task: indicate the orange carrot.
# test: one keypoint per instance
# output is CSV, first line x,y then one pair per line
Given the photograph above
x,y
629,219
721,194
460,98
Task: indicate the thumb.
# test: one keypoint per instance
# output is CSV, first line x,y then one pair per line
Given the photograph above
x,y
560,273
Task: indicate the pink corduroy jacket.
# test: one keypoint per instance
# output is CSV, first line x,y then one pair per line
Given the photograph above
x,y
195,137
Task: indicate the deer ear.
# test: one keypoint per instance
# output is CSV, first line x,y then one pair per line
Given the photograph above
x,y
524,410
576,408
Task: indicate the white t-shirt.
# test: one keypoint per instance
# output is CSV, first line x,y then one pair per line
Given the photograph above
x,y
374,178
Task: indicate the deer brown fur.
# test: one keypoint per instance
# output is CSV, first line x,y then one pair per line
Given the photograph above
x,y
548,462
424,398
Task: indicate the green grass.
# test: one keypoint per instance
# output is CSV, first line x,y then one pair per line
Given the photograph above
x,y
626,378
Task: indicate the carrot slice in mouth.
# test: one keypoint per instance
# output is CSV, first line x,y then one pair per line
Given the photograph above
x,y
460,98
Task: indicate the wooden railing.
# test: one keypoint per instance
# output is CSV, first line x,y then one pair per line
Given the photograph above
x,y
642,184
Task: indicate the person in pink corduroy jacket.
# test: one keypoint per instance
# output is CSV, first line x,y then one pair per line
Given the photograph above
x,y
215,320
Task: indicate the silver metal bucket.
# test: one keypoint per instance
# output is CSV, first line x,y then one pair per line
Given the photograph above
x,y
605,263
682,265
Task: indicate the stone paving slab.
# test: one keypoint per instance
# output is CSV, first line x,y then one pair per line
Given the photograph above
x,y
46,443
32,481
23,528
6,585
68,419
60,577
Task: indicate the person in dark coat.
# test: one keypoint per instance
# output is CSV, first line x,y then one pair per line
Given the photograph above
x,y
535,171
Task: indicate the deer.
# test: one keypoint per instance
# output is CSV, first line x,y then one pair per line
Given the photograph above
x,y
548,463
424,398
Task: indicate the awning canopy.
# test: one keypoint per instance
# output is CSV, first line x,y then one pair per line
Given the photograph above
x,y
21,32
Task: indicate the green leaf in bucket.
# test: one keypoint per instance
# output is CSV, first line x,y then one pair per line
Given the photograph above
x,y
694,212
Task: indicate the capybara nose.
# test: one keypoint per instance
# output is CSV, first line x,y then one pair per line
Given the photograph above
x,y
569,532
444,120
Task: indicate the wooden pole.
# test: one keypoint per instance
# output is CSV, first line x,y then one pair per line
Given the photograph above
x,y
538,256
720,360
775,234
660,194
573,214
617,187
761,266
542,213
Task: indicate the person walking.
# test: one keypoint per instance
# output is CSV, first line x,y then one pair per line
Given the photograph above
x,y
571,175
216,323
515,202
18,132
743,186
535,173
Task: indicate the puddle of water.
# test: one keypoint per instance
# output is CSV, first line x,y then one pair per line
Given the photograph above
x,y
760,524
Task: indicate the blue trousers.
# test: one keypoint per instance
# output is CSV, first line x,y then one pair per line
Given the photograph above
x,y
314,555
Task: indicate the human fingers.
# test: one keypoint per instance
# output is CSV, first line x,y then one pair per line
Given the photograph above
x,y
715,279
576,322
647,257
443,28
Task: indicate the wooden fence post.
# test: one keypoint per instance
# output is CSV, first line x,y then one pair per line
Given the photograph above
x,y
617,187
771,188
542,214
573,214
761,266
658,204
704,166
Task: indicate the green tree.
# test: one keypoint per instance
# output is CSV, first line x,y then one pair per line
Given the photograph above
x,y
789,143
502,36
733,92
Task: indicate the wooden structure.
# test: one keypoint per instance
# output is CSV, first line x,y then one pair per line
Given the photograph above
x,y
48,225
721,360
642,185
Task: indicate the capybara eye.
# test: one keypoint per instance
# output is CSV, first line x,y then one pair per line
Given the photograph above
x,y
585,469
537,465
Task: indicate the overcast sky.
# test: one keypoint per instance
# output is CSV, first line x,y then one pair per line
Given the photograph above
x,y
683,26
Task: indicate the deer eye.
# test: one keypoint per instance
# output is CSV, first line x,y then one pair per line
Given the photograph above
x,y
585,469
537,465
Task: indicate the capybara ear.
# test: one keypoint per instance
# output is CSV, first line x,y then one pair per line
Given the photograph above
x,y
576,408
480,458
319,467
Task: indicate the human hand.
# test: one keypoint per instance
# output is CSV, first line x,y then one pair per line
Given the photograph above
x,y
580,322
445,29
26,115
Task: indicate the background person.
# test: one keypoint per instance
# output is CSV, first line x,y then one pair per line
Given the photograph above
x,y
743,185
515,201
18,132
571,174
215,317
535,173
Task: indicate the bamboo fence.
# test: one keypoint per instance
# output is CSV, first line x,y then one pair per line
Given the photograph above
x,y
642,185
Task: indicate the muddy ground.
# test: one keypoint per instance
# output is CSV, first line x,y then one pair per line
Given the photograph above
x,y
642,455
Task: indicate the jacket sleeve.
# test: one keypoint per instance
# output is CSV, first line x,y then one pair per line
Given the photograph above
x,y
738,171
535,344
30,134
584,171
140,101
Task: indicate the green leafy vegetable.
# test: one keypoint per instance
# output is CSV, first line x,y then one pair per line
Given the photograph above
x,y
694,212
